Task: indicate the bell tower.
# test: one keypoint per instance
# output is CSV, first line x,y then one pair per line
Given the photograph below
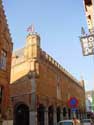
x,y
32,45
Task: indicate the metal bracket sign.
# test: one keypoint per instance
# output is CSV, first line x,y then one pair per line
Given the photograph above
x,y
87,43
74,109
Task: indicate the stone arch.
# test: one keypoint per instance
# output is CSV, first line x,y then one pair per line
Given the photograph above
x,y
50,115
58,113
40,114
21,114
64,112
69,113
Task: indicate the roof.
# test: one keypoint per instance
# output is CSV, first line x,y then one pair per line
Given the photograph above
x,y
19,52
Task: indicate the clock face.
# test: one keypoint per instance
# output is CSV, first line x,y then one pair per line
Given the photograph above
x,y
87,45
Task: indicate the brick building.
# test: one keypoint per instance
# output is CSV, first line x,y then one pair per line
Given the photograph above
x,y
5,63
41,87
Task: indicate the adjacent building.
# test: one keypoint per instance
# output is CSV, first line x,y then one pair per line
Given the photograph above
x,y
90,101
5,63
87,39
42,91
89,11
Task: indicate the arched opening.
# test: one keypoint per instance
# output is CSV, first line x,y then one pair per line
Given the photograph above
x,y
69,113
50,115
64,112
21,115
58,114
40,114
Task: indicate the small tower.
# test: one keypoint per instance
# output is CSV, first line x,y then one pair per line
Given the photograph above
x,y
89,11
82,83
32,44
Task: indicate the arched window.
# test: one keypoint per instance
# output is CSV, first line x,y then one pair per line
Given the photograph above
x,y
3,59
88,2
58,87
89,17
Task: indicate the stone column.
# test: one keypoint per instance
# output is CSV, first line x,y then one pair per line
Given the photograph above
x,y
46,116
55,116
33,111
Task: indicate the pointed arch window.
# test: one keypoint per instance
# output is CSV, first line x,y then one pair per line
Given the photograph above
x,y
58,88
3,59
88,2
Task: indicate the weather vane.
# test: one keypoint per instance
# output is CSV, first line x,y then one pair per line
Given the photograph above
x,y
83,31
31,29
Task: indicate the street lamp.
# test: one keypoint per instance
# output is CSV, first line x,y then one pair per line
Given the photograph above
x,y
32,75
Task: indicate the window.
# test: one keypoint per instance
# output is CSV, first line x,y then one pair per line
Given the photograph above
x,y
58,91
88,2
3,59
59,87
0,97
0,94
89,17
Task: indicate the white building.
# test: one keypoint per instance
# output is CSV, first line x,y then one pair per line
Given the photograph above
x,y
89,101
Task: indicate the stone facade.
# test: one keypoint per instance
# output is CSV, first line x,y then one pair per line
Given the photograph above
x,y
90,101
42,84
5,62
89,11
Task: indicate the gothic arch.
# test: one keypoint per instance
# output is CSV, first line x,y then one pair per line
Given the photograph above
x,y
21,114
40,114
50,115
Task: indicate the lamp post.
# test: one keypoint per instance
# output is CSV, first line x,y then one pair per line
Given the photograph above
x,y
32,75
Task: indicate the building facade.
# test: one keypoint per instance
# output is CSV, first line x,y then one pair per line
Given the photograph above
x,y
5,63
90,101
89,11
41,88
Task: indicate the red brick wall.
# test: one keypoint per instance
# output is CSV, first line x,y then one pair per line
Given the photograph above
x,y
5,44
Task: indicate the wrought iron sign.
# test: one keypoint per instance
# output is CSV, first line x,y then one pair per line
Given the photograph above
x,y
87,43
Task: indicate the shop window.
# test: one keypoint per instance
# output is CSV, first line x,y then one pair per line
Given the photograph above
x,y
3,59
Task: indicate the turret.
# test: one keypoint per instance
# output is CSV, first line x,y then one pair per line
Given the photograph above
x,y
32,45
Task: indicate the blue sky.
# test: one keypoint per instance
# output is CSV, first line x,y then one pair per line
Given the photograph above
x,y
59,24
